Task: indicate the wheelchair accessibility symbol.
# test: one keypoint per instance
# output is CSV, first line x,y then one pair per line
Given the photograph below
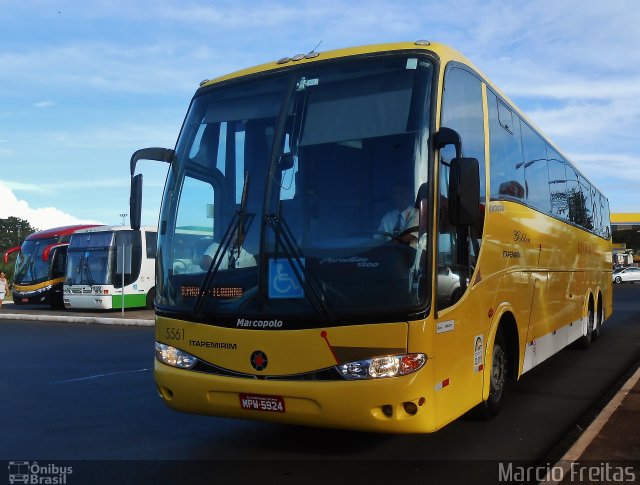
x,y
283,282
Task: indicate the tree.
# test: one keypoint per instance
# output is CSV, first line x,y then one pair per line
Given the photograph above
x,y
579,212
13,232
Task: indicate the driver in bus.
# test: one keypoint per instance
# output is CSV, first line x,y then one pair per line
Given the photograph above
x,y
235,257
401,223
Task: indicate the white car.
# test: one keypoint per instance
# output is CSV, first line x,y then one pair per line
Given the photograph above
x,y
448,286
624,275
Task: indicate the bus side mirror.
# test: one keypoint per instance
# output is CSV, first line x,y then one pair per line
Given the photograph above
x,y
159,154
135,198
464,191
135,202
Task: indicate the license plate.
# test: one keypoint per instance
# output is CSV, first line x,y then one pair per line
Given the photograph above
x,y
258,402
25,300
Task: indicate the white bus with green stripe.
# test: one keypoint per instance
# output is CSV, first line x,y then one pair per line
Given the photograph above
x,y
94,268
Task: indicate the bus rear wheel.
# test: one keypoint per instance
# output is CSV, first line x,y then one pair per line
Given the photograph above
x,y
498,378
585,341
596,331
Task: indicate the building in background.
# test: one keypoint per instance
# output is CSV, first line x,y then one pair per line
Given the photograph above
x,y
625,228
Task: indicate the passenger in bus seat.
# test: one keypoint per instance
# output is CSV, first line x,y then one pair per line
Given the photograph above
x,y
236,256
396,223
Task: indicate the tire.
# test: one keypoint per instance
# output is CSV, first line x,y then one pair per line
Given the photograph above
x,y
490,408
585,341
618,280
57,303
455,296
151,297
596,331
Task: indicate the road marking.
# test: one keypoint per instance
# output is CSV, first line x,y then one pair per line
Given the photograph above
x,y
100,375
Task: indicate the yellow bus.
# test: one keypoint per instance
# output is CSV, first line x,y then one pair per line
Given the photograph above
x,y
372,238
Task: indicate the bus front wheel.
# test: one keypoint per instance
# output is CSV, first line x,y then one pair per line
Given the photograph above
x,y
498,378
151,297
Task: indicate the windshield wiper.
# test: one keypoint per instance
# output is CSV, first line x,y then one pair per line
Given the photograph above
x,y
31,266
87,270
237,224
284,238
312,287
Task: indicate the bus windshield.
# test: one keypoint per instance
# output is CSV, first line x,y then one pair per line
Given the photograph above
x,y
30,267
295,196
89,260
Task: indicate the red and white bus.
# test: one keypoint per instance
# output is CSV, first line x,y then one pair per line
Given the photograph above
x,y
40,266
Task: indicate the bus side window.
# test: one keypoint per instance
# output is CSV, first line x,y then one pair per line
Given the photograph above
x,y
461,111
536,170
195,223
151,243
507,169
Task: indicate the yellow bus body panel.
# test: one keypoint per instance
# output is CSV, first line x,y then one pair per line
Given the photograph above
x,y
288,352
330,403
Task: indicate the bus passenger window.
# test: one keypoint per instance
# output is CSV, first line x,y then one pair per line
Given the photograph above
x,y
536,171
507,168
461,111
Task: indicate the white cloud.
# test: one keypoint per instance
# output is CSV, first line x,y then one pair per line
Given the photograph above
x,y
40,218
26,187
104,66
121,135
610,165
44,104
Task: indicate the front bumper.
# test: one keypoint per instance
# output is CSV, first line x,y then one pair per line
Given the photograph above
x,y
39,295
380,405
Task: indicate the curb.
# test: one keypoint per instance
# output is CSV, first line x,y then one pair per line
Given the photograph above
x,y
575,452
79,319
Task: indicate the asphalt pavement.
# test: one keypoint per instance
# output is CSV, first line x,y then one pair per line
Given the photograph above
x,y
72,391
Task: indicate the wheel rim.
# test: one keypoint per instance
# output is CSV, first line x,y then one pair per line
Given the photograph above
x,y
498,372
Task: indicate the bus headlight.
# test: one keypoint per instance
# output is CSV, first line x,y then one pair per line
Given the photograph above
x,y
174,357
384,366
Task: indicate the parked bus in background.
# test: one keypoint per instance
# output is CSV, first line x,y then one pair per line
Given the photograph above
x,y
40,266
93,276
501,257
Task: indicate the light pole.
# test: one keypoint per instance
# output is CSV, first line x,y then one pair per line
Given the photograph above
x,y
123,216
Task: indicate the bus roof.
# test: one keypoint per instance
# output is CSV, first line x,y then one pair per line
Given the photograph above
x,y
57,231
444,52
116,228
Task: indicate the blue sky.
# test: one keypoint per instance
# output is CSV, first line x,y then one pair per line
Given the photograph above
x,y
85,84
